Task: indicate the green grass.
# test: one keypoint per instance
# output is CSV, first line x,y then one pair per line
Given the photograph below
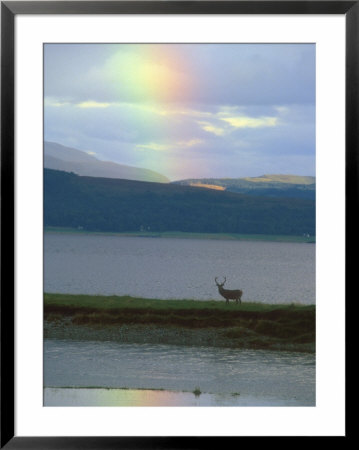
x,y
185,235
110,302
257,325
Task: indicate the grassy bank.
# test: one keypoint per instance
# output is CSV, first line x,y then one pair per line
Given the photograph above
x,y
183,235
250,325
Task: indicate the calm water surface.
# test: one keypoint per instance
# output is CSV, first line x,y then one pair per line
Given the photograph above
x,y
260,377
146,397
86,373
271,272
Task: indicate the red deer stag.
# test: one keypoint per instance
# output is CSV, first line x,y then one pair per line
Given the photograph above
x,y
229,294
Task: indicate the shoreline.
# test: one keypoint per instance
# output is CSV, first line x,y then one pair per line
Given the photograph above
x,y
64,329
180,322
188,235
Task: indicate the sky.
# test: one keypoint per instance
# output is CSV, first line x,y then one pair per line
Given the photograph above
x,y
185,110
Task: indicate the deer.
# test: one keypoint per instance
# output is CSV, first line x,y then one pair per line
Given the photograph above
x,y
229,294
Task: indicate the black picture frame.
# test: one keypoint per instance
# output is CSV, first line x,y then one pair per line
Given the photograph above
x,y
9,9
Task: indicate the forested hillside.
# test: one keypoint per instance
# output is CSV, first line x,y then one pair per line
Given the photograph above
x,y
105,204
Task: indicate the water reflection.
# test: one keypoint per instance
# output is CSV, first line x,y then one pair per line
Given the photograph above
x,y
266,376
145,397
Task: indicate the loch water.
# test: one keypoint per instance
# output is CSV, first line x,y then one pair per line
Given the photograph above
x,y
166,268
228,377
94,373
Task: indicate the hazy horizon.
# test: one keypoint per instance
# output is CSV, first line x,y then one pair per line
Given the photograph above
x,y
199,178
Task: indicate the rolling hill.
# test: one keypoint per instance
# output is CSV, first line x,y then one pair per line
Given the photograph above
x,y
290,186
59,157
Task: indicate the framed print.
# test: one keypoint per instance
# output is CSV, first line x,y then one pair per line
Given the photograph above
x,y
177,183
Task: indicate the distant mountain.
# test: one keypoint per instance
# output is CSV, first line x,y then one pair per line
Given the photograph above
x,y
289,186
59,157
104,204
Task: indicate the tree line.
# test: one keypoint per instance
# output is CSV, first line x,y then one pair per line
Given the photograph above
x,y
113,205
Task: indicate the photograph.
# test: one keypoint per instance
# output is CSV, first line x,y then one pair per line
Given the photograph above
x,y
179,224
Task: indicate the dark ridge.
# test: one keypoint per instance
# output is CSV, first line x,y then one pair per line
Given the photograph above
x,y
115,205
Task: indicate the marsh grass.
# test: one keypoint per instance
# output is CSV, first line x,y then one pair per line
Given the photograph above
x,y
111,302
257,325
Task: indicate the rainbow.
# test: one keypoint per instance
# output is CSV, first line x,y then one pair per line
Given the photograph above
x,y
154,73
117,397
157,81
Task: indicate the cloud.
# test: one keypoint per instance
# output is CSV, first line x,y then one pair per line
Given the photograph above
x,y
170,146
214,123
55,103
134,134
210,128
199,109
226,74
92,104
189,143
251,122
153,146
